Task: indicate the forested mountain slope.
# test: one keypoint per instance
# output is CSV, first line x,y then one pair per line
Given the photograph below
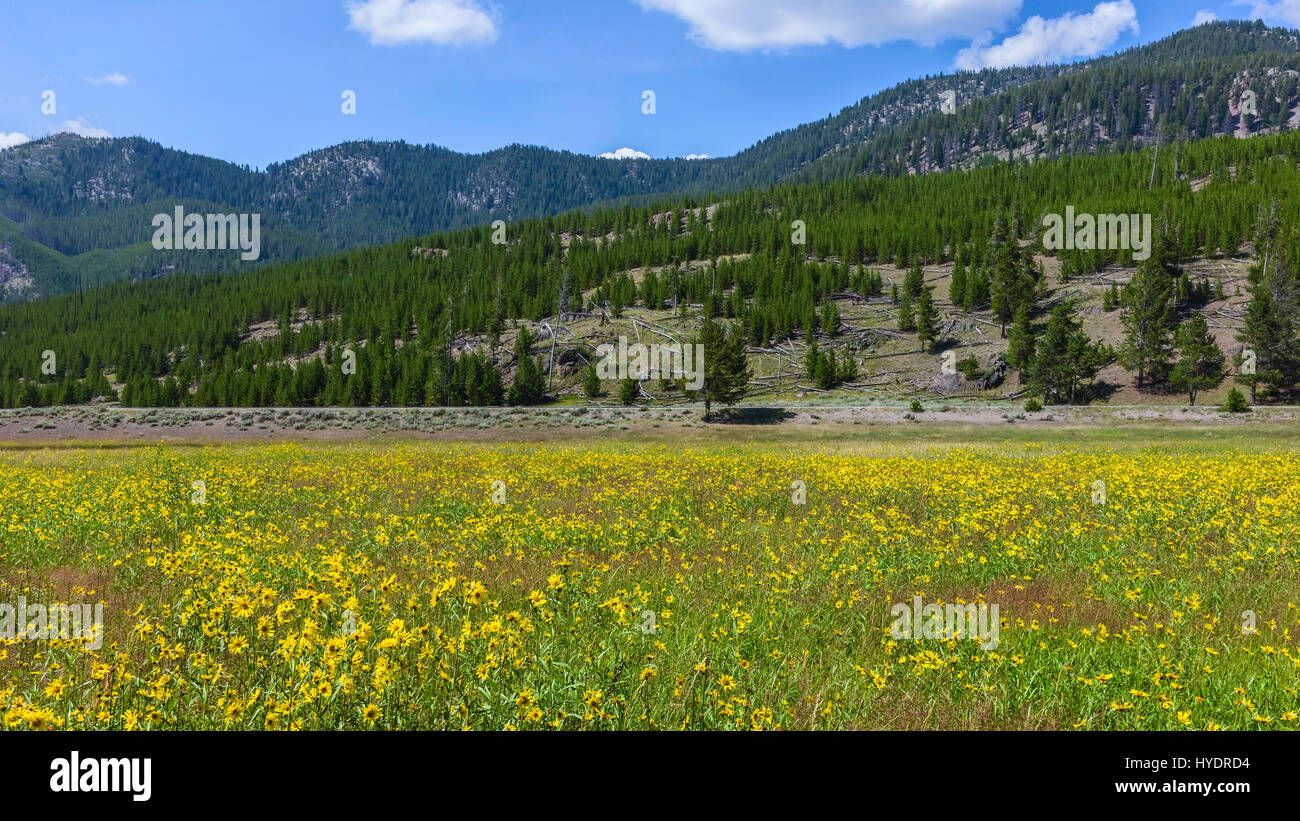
x,y
76,212
438,320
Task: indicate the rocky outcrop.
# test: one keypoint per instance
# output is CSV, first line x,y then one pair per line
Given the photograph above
x,y
995,374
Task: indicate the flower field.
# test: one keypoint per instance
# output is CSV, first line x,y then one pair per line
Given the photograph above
x,y
619,586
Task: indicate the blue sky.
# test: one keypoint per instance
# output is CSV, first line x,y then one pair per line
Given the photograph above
x,y
260,81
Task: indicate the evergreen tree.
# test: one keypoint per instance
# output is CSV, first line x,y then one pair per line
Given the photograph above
x,y
969,367
977,290
1110,298
590,382
223,337
1270,330
1200,362
726,368
1020,343
1012,283
830,319
812,361
628,392
957,288
1065,358
825,371
1148,322
848,369
927,318
914,280
527,388
906,311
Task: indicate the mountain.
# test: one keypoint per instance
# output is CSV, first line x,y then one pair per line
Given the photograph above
x,y
77,212
435,320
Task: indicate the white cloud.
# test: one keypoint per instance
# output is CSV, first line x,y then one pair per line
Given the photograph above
x,y
444,22
1202,17
1055,40
624,154
12,138
744,25
114,79
696,157
82,129
1286,12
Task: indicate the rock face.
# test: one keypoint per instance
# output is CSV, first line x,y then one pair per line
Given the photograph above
x,y
570,360
996,372
948,384
15,281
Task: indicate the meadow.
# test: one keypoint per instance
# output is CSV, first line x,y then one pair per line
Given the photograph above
x,y
671,584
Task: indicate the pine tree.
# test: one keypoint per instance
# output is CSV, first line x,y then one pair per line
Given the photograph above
x,y
825,371
957,288
1200,362
1110,298
830,319
1065,358
527,388
1012,282
1148,322
628,392
1020,343
591,382
977,290
906,312
927,318
726,368
848,370
914,280
1270,330
812,361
